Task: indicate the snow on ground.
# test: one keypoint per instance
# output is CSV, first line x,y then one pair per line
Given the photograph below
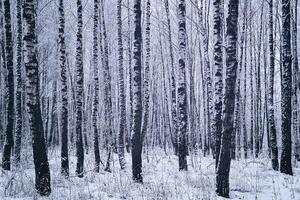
x,y
249,179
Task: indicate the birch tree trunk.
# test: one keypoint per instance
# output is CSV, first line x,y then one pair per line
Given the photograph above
x,y
146,77
286,90
42,172
173,82
296,83
96,86
79,93
218,81
64,91
128,136
19,87
9,141
122,97
222,178
181,90
137,142
107,91
271,119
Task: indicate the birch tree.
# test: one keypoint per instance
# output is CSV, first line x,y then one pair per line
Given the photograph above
x,y
64,91
9,141
42,172
79,92
181,90
271,119
218,81
222,178
122,100
286,90
96,86
137,143
19,87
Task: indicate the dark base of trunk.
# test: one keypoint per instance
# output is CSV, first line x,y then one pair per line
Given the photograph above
x,y
222,186
107,168
79,169
65,166
182,163
6,157
127,148
42,180
137,164
275,164
286,167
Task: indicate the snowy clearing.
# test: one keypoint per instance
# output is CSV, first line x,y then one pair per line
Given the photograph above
x,y
249,179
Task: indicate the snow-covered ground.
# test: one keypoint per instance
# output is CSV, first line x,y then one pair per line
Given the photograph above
x,y
249,179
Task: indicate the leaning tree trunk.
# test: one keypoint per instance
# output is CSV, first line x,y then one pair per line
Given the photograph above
x,y
271,119
182,93
286,90
122,99
79,92
229,99
19,104
218,82
9,141
64,91
137,142
42,172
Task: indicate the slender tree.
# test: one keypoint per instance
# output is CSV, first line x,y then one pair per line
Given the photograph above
x,y
137,142
79,92
223,168
218,81
128,136
146,77
271,119
42,172
296,82
173,82
9,141
19,87
64,91
286,90
107,90
96,85
181,90
2,78
122,103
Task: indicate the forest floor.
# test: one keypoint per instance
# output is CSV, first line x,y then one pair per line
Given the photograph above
x,y
249,179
